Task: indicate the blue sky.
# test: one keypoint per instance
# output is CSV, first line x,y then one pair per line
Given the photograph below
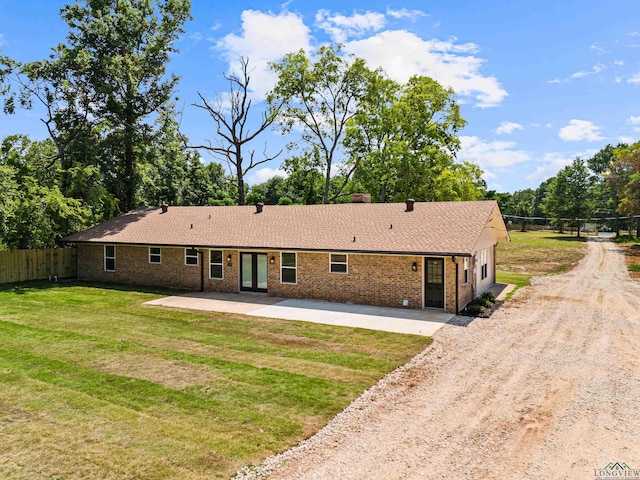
x,y
539,82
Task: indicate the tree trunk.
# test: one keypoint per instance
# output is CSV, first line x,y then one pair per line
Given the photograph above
x,y
128,198
327,184
240,188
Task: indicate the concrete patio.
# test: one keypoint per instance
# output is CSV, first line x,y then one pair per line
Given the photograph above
x,y
416,322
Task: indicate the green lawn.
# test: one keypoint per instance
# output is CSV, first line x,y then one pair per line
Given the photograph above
x,y
536,253
95,385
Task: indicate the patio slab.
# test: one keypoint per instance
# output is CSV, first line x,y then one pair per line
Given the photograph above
x,y
416,322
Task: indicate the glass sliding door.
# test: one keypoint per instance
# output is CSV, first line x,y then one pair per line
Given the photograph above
x,y
253,268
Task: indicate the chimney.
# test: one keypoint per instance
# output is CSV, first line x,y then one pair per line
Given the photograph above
x,y
259,207
164,207
410,202
360,198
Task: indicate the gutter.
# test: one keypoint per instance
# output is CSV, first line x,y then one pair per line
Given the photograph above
x,y
279,248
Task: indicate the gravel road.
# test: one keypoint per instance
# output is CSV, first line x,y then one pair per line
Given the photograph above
x,y
548,387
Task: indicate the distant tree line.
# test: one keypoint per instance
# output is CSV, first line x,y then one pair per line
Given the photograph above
x,y
603,190
107,103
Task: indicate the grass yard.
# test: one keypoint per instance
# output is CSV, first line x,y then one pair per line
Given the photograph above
x,y
537,253
95,385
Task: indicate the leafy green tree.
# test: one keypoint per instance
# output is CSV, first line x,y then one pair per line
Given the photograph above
x,y
605,194
320,97
568,197
121,49
7,67
33,211
538,201
405,141
624,179
234,133
523,202
305,183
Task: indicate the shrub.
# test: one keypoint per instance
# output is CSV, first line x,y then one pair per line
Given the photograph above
x,y
634,268
489,296
474,309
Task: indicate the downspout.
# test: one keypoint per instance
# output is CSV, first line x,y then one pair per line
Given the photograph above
x,y
454,260
201,253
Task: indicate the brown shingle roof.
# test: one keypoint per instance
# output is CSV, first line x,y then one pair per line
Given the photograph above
x,y
439,227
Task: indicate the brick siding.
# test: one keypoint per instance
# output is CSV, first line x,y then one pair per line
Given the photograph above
x,y
384,280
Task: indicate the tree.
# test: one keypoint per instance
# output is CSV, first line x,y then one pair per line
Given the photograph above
x,y
33,211
604,193
231,117
624,179
320,98
523,204
405,140
121,49
568,197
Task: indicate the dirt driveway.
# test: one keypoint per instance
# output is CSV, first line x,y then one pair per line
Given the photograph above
x,y
549,387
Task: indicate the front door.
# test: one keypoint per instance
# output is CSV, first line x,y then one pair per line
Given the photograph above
x,y
253,268
434,282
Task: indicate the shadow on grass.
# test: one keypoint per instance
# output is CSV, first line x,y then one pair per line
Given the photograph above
x,y
22,288
565,238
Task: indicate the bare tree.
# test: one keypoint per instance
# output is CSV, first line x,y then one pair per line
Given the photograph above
x,y
234,129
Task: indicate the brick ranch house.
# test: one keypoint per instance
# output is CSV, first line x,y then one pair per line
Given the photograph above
x,y
418,255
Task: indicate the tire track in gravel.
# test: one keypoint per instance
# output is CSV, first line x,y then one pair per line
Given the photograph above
x,y
548,387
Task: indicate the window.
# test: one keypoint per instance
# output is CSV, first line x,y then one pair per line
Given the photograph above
x,y
288,268
338,263
155,255
110,258
215,264
466,270
191,257
483,264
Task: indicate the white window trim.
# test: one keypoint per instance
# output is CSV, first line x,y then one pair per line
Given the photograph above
x,y
155,254
197,264
345,263
221,264
290,268
484,273
465,272
105,258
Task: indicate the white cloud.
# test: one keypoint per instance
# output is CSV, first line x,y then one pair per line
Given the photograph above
x,y
261,175
265,37
548,125
406,13
618,63
580,130
635,34
597,48
340,28
635,121
2,41
196,37
507,128
635,79
498,154
625,139
216,26
595,70
551,163
403,54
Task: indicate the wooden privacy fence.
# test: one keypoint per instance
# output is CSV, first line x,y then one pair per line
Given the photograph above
x,y
37,264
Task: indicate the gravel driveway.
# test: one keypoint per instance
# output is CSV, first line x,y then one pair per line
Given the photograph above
x,y
549,387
